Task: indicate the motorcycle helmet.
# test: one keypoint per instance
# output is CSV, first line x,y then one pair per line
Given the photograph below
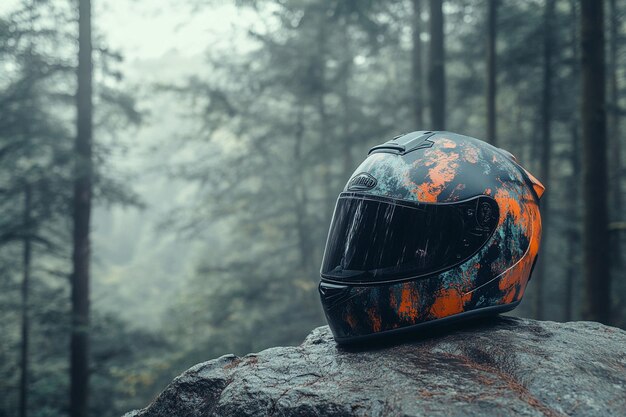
x,y
431,227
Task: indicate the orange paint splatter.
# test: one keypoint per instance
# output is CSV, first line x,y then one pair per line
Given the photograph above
x,y
534,242
508,205
517,277
449,302
393,301
443,170
426,193
408,303
350,320
447,143
374,319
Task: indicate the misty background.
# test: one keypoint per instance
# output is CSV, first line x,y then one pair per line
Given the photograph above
x,y
223,132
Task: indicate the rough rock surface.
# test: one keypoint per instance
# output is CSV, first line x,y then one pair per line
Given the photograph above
x,y
499,367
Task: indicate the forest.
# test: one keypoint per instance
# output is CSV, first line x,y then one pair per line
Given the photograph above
x,y
168,169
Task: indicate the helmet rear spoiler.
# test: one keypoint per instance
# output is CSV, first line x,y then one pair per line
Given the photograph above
x,y
536,184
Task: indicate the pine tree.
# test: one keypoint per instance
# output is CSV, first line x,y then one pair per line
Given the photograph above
x,y
437,69
416,65
596,266
79,361
492,21
546,149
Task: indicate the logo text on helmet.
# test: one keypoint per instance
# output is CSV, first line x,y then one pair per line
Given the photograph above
x,y
362,182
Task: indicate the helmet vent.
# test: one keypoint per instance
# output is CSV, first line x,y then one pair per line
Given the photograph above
x,y
403,144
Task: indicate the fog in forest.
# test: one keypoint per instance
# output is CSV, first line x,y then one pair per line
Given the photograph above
x,y
213,140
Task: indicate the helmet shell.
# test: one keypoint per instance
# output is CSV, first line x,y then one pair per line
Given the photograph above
x,y
443,168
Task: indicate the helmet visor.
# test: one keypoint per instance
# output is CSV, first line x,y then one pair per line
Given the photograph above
x,y
373,239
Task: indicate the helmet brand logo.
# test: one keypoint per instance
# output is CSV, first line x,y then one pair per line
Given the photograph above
x,y
362,182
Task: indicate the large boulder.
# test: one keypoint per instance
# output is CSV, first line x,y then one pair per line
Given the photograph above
x,y
502,366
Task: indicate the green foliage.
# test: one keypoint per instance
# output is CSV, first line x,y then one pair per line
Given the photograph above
x,y
36,154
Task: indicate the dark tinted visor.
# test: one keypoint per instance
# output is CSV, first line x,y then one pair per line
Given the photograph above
x,y
377,239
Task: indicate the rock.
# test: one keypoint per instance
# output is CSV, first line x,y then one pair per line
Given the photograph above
x,y
502,366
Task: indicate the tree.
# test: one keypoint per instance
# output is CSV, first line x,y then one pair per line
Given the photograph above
x,y
436,72
26,176
26,268
416,64
346,102
26,262
492,19
615,161
546,146
79,362
36,178
573,183
597,304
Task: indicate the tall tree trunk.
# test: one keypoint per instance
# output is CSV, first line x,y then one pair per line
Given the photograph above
x,y
416,65
546,151
346,104
323,118
573,235
27,247
615,162
79,362
302,197
492,19
436,71
26,257
597,305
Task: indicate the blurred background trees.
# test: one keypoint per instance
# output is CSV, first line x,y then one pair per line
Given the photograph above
x,y
214,174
